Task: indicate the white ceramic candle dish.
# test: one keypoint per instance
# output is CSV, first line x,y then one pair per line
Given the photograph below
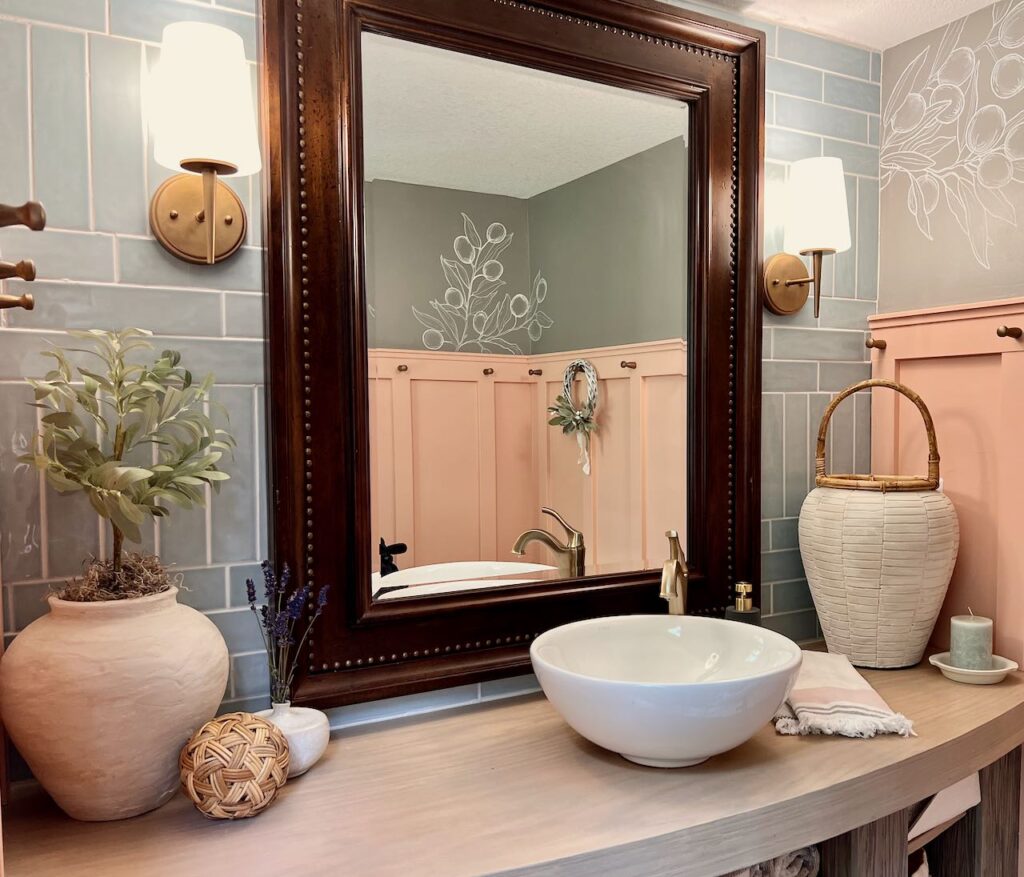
x,y
1000,667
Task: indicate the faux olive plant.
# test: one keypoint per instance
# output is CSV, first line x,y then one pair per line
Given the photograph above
x,y
135,437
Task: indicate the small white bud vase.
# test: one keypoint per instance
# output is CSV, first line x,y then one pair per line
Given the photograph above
x,y
307,731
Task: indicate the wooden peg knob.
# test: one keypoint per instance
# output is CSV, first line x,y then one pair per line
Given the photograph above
x,y
30,214
1010,332
488,371
627,364
876,343
536,371
24,270
17,301
403,368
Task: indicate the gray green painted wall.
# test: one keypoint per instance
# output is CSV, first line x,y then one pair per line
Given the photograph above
x,y
954,184
613,247
408,229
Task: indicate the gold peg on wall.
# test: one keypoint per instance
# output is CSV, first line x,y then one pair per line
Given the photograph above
x,y
627,364
403,368
488,371
1010,332
876,343
25,270
17,301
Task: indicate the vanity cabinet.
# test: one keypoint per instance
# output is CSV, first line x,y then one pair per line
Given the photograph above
x,y
463,458
971,376
507,788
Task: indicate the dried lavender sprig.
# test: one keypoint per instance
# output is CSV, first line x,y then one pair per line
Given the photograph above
x,y
278,618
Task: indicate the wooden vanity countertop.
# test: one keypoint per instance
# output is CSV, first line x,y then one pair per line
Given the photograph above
x,y
508,788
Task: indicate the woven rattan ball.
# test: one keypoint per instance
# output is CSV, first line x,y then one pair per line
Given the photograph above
x,y
234,765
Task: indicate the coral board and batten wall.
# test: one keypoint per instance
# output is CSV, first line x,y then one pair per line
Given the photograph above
x,y
463,460
973,383
957,259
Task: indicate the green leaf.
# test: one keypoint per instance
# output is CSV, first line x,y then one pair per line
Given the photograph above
x,y
61,419
128,475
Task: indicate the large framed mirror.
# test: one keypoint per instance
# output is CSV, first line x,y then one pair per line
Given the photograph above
x,y
514,329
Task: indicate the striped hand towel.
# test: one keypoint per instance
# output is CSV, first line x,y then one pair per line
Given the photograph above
x,y
830,697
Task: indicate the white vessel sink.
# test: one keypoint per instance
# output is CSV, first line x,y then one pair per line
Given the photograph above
x,y
665,690
464,575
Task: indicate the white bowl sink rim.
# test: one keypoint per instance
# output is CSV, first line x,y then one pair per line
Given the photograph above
x,y
456,571
662,622
664,690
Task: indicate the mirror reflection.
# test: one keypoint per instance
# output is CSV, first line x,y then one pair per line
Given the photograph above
x,y
526,266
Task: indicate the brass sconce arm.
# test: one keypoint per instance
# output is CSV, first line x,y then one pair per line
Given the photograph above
x,y
787,285
208,215
195,216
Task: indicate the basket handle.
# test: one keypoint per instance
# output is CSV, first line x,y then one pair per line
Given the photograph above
x,y
933,445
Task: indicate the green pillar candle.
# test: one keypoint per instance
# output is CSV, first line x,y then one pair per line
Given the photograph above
x,y
970,642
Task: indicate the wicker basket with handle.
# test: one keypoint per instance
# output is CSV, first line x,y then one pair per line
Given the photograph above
x,y
878,551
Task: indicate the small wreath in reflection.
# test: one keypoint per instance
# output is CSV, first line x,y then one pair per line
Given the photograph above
x,y
577,420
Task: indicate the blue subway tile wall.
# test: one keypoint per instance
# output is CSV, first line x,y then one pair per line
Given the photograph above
x,y
822,99
74,138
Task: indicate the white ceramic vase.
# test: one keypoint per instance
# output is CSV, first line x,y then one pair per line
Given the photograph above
x,y
100,697
307,731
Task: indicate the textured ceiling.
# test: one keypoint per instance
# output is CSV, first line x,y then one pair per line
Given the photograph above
x,y
876,24
440,118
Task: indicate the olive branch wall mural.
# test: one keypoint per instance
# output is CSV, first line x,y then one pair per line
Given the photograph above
x,y
945,127
474,313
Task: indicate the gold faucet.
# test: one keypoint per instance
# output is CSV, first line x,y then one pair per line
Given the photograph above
x,y
570,556
674,576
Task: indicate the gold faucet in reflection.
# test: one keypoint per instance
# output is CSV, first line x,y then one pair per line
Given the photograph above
x,y
570,556
674,576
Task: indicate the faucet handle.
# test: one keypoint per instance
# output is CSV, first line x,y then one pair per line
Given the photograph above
x,y
575,536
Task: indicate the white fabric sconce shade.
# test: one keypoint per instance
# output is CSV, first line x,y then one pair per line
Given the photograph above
x,y
201,116
200,102
817,216
817,222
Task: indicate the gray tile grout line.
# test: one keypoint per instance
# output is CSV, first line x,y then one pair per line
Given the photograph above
x,y
89,174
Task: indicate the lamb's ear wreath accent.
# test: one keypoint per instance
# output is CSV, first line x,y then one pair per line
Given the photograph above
x,y
577,420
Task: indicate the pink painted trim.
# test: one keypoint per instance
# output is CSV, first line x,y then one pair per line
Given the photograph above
x,y
972,310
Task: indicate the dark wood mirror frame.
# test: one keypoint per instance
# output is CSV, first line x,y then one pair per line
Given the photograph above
x,y
317,355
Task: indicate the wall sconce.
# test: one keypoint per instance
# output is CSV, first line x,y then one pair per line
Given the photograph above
x,y
202,121
817,222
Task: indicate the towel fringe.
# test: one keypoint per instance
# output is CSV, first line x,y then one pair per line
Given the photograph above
x,y
846,726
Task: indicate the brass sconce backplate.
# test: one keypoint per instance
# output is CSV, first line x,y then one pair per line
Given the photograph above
x,y
786,284
177,221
